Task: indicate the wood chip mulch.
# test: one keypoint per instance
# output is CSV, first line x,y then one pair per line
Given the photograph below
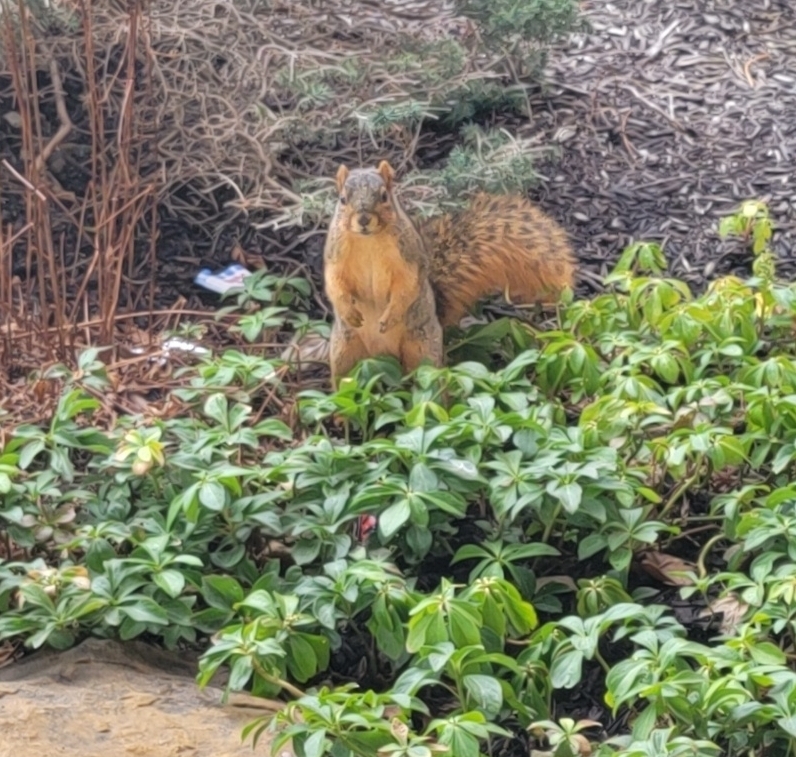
x,y
668,116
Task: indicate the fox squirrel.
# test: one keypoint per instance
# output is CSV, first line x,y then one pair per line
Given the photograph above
x,y
395,285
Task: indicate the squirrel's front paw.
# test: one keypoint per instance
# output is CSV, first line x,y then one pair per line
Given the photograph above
x,y
390,318
354,318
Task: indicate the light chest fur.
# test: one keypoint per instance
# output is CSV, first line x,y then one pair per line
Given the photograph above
x,y
371,269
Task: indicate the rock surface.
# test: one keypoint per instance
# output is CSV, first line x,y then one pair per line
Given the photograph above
x,y
105,699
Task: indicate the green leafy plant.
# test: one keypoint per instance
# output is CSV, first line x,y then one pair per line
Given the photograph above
x,y
516,510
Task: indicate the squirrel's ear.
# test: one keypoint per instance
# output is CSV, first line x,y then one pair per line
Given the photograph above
x,y
342,175
386,172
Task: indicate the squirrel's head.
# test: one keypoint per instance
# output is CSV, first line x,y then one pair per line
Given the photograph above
x,y
365,198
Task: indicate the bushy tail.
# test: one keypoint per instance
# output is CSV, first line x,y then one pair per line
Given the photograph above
x,y
498,245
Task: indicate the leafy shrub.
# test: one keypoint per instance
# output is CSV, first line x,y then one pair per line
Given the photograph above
x,y
648,418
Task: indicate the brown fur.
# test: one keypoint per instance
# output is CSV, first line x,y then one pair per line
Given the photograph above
x,y
376,276
394,287
499,245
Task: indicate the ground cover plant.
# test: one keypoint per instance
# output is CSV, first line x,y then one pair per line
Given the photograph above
x,y
584,536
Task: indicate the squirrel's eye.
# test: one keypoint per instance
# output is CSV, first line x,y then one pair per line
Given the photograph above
x,y
342,199
384,195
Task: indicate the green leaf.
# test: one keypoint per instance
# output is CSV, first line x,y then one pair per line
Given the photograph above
x,y
215,407
591,545
566,670
767,653
130,628
667,368
171,581
788,724
221,592
274,427
181,503
439,657
493,617
449,502
521,614
528,551
240,671
393,518
29,452
419,540
313,745
485,692
650,495
621,558
261,601
461,743
145,610
61,638
213,495
465,631
423,479
98,553
305,551
461,468
569,495
470,552
386,626
301,660
645,722
425,630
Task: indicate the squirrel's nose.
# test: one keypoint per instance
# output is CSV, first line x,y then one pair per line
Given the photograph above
x,y
364,219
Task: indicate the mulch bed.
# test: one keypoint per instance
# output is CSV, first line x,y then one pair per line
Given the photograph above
x,y
669,114
666,117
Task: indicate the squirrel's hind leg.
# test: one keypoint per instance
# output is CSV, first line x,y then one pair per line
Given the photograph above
x,y
422,344
346,349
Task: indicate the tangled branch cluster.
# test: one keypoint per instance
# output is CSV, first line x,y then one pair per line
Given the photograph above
x,y
123,122
252,104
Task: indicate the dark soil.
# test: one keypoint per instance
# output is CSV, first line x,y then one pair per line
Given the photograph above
x,y
669,115
666,116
